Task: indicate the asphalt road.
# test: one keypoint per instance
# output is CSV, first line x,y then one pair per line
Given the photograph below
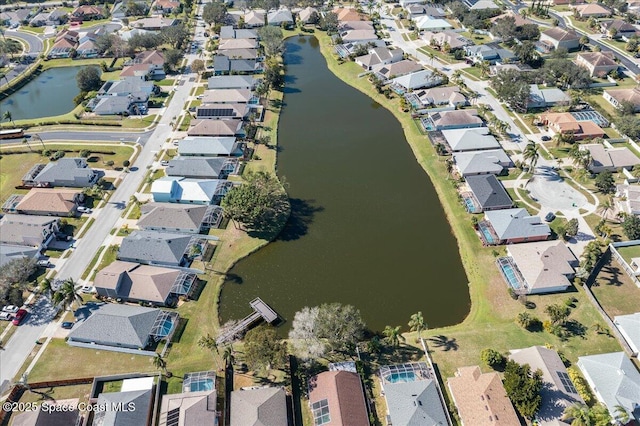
x,y
34,42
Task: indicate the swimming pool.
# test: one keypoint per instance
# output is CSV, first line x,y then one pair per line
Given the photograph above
x,y
202,385
486,233
509,273
470,206
404,377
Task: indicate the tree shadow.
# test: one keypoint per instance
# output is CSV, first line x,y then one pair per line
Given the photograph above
x,y
575,328
233,278
444,343
301,217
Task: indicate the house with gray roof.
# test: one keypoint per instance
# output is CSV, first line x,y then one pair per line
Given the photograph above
x,y
491,53
13,18
9,252
629,327
28,230
473,139
156,248
229,96
280,17
611,159
232,82
114,326
178,189
545,98
441,96
415,403
201,146
542,266
488,192
142,415
379,56
558,392
216,128
180,218
417,80
73,172
133,282
189,408
458,119
396,69
491,161
615,381
227,32
259,407
202,167
416,10
515,226
223,111
228,63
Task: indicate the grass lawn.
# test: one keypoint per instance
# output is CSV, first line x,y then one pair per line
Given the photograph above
x,y
109,257
581,25
138,122
477,38
474,72
200,90
629,253
166,82
55,363
57,393
91,264
490,322
443,57
615,291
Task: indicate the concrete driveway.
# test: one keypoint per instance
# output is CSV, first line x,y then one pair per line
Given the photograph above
x,y
553,193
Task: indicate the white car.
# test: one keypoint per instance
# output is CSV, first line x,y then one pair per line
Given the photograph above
x,y
12,309
83,209
6,316
87,289
164,163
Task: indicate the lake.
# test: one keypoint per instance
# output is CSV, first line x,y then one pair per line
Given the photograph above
x,y
50,93
367,227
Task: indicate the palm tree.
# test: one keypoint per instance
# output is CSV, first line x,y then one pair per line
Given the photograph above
x,y
417,323
26,141
393,336
208,342
531,154
160,363
456,76
605,207
578,414
431,56
228,355
7,116
40,139
473,96
484,68
45,287
67,295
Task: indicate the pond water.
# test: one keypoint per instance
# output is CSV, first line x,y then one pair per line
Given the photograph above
x,y
367,227
50,93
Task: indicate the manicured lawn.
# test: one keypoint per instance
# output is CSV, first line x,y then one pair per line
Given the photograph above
x,y
615,291
58,393
166,82
61,361
138,122
93,262
476,38
109,257
200,90
629,253
474,72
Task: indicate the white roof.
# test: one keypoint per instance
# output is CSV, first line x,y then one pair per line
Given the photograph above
x,y
629,326
477,138
140,383
478,162
427,23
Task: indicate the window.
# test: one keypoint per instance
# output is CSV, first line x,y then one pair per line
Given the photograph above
x,y
566,382
320,411
173,417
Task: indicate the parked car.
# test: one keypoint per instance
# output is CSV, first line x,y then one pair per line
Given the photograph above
x,y
164,163
45,264
67,324
5,316
20,315
545,138
12,309
550,217
87,289
83,209
60,236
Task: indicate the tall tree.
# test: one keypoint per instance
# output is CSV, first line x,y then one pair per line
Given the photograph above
x,y
416,323
523,388
160,363
68,294
531,155
214,12
263,350
88,78
7,116
393,336
272,40
175,35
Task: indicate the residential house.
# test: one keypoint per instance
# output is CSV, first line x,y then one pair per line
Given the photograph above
x,y
153,57
54,17
189,408
167,7
415,399
184,219
518,19
495,69
396,69
154,23
618,28
115,105
591,10
492,161
379,56
64,45
254,19
156,248
223,111
491,53
9,252
227,32
133,88
615,381
418,80
511,226
265,406
137,71
202,167
611,159
544,266
442,96
449,38
358,36
558,391
348,14
599,64
407,3
200,146
133,282
216,128
429,23
142,399
481,399
628,198
556,37
473,139
127,34
49,202
229,63
355,25
616,97
28,230
238,43
232,82
87,48
420,9
87,12
14,18
113,327
49,413
629,327
308,15
459,119
178,189
336,398
480,4
73,172
488,193
229,96
280,18
545,98
565,123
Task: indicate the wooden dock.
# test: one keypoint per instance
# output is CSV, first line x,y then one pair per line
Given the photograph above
x,y
260,311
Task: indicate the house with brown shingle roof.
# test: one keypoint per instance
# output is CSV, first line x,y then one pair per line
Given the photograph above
x,y
599,64
565,123
337,399
622,28
481,399
453,39
397,69
592,10
87,12
617,96
611,159
166,6
556,37
348,14
50,202
218,128
519,19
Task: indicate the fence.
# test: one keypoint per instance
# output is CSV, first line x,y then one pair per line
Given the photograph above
x,y
436,380
618,257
